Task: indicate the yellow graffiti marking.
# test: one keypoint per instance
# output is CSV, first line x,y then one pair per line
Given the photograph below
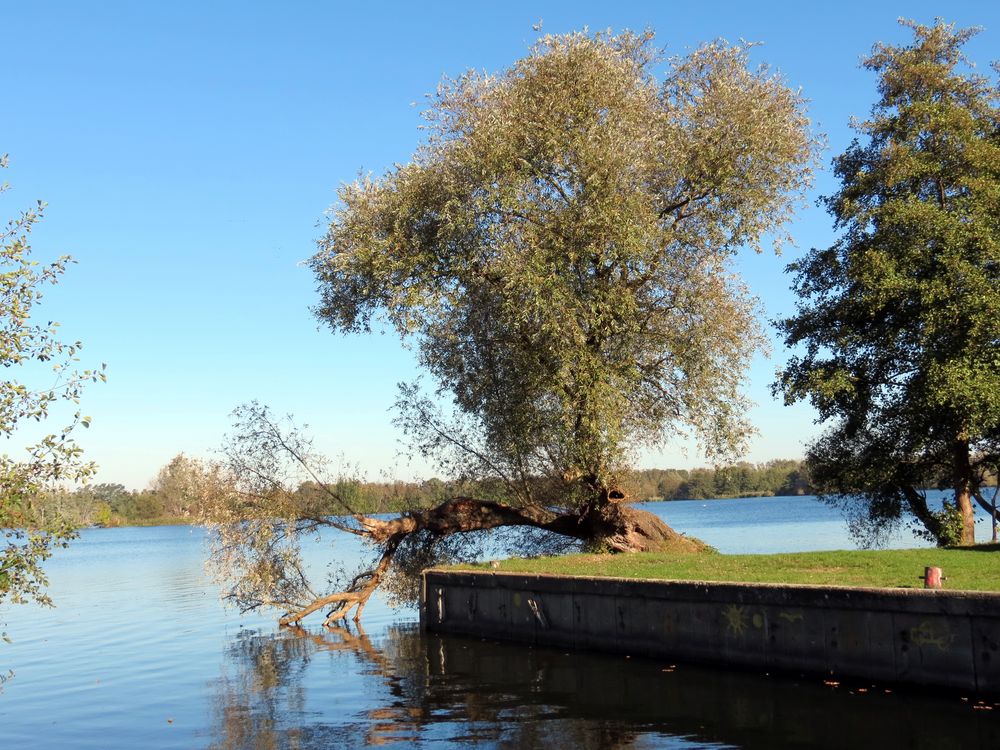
x,y
758,621
735,618
928,633
791,616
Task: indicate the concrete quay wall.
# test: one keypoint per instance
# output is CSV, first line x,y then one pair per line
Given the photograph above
x,y
909,636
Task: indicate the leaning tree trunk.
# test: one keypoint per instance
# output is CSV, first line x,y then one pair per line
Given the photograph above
x,y
611,525
258,524
618,527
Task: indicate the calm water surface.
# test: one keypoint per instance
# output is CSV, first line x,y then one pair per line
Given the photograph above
x,y
139,653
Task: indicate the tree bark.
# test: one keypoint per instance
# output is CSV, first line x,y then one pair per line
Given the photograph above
x,y
918,506
963,490
615,525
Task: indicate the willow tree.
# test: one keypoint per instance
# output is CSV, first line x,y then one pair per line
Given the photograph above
x,y
557,252
900,319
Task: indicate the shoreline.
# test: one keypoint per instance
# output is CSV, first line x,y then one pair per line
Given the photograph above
x,y
924,638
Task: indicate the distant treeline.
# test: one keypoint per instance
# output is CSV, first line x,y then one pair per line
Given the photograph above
x,y
174,496
110,504
779,477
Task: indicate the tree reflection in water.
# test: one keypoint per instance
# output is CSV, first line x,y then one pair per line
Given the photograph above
x,y
407,688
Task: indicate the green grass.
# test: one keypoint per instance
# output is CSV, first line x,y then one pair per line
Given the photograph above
x,y
976,569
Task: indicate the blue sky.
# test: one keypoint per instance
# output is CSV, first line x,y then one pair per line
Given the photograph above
x,y
188,152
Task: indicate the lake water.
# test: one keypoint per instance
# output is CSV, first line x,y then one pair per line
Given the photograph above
x,y
140,653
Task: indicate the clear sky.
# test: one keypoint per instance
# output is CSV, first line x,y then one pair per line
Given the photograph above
x,y
189,150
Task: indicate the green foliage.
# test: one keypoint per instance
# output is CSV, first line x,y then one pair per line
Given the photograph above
x,y
378,497
178,495
40,374
102,514
115,495
180,485
947,525
778,477
898,329
558,250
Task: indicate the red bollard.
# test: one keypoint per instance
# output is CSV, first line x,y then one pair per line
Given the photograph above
x,y
932,578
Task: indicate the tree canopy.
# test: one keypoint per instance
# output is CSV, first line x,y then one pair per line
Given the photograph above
x,y
557,249
899,321
40,373
558,252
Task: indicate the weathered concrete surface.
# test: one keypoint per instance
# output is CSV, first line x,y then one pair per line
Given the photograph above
x,y
930,638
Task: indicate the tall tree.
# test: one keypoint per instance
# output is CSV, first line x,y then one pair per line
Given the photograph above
x,y
899,321
48,376
180,485
557,251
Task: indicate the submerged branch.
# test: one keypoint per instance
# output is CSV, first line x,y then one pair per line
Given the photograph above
x,y
259,525
617,527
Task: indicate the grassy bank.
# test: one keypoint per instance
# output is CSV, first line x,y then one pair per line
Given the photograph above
x,y
975,569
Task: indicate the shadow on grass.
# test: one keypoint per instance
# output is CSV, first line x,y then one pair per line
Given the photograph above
x,y
991,547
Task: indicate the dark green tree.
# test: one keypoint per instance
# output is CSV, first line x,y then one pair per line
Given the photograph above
x,y
898,324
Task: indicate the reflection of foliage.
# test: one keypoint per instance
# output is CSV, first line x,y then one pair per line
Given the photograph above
x,y
421,689
248,705
259,708
266,704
